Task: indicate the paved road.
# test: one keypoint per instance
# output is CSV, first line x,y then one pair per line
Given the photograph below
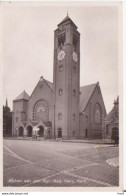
x,y
48,163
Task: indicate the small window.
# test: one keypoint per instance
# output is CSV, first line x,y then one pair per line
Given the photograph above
x,y
60,116
86,118
60,92
61,68
74,92
17,119
74,68
74,117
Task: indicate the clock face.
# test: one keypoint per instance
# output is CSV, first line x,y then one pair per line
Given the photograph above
x,y
75,58
61,55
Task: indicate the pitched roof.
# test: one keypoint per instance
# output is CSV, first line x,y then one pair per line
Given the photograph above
x,y
23,96
49,84
66,19
112,115
86,92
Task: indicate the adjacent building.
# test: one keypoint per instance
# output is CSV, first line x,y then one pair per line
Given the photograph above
x,y
7,120
111,121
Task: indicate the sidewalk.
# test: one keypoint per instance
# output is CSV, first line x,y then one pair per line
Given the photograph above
x,y
113,161
93,141
96,141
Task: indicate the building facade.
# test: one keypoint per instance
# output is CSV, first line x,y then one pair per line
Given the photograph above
x,y
61,109
111,121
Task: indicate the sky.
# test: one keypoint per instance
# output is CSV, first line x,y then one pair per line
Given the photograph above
x,y
28,42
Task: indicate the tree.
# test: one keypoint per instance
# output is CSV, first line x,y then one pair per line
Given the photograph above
x,y
7,121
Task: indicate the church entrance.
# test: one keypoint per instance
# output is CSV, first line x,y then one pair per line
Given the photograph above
x,y
20,131
29,131
115,132
41,131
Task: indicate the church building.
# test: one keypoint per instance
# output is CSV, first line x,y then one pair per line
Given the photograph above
x,y
61,109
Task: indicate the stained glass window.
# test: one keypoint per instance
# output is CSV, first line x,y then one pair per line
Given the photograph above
x,y
40,111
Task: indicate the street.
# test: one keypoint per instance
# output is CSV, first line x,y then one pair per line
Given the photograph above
x,y
56,164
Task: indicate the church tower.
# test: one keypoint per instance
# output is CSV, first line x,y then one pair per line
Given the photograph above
x,y
66,79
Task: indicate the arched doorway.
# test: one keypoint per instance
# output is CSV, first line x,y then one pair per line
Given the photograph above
x,y
41,131
29,131
21,131
59,133
115,132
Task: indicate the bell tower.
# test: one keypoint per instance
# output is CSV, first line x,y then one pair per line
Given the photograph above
x,y
66,79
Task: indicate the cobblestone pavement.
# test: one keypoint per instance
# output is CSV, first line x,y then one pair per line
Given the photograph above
x,y
48,163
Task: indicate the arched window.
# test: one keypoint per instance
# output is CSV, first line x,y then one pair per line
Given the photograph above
x,y
97,114
61,68
75,40
61,40
60,116
17,119
60,92
86,118
74,117
74,68
74,92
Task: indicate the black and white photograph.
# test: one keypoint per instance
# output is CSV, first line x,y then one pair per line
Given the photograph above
x,y
62,91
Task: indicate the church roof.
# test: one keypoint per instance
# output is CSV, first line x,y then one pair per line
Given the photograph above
x,y
86,92
49,83
66,19
23,96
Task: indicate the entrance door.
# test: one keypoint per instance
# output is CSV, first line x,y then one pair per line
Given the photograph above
x,y
21,131
115,132
59,133
41,131
29,131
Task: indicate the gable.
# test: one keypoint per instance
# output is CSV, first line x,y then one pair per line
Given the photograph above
x,y
112,116
42,87
91,93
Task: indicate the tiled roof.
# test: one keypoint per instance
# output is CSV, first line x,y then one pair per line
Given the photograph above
x,y
86,92
23,96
